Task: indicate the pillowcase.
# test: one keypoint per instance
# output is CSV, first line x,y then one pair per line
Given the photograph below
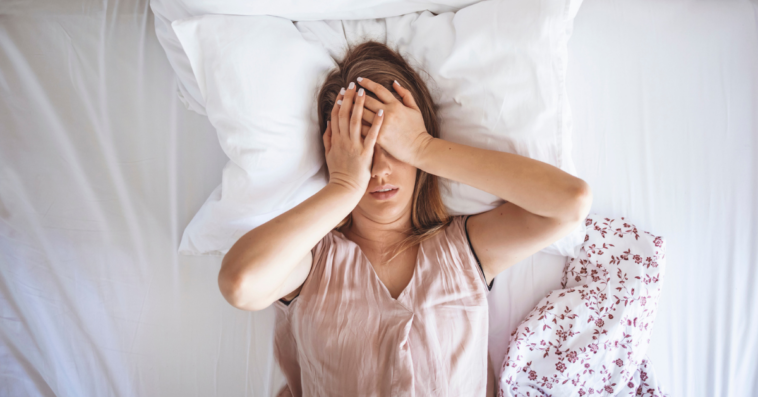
x,y
168,11
259,80
496,70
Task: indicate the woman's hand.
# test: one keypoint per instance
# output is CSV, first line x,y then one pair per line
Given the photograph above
x,y
348,154
403,134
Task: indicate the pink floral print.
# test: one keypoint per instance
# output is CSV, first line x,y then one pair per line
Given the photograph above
x,y
591,337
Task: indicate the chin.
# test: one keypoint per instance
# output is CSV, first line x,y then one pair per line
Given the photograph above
x,y
388,208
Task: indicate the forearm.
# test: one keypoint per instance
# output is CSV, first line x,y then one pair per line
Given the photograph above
x,y
261,260
533,185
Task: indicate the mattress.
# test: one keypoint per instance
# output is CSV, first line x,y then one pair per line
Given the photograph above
x,y
102,167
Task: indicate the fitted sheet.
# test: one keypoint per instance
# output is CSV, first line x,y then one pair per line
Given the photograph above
x,y
102,167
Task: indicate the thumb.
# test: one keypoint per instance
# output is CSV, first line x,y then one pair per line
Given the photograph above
x,y
406,95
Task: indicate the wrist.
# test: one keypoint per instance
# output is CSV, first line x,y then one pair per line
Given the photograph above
x,y
422,150
345,190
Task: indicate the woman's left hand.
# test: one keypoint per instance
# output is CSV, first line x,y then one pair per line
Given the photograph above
x,y
403,133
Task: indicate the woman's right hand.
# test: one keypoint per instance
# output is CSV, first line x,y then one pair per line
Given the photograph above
x,y
348,154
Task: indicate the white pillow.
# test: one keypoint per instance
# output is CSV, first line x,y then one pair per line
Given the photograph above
x,y
168,11
497,70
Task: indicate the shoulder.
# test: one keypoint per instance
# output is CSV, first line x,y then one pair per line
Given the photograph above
x,y
457,226
327,243
457,237
456,223
455,245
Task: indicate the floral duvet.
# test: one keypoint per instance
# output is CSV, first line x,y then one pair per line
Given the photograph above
x,y
590,338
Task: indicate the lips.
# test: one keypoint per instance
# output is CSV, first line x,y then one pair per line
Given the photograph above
x,y
384,195
384,187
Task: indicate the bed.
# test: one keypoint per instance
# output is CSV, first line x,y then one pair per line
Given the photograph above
x,y
102,167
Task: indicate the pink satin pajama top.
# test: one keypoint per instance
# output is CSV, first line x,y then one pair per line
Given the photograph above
x,y
344,335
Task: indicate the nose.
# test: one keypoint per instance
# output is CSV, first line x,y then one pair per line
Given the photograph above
x,y
381,165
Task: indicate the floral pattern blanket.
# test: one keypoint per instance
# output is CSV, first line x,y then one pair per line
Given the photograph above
x,y
591,337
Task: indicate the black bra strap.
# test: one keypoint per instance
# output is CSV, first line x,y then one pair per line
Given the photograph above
x,y
465,227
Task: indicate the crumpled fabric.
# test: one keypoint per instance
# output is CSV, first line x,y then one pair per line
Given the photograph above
x,y
591,336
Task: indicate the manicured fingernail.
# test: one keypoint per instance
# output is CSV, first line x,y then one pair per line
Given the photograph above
x,y
359,79
339,102
342,91
381,112
360,92
397,83
350,87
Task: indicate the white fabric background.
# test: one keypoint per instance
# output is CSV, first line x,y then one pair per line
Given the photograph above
x,y
101,168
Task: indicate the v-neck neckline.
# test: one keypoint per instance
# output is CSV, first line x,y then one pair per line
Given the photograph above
x,y
404,292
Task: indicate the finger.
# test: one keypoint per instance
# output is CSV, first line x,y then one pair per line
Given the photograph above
x,y
373,132
336,113
382,93
406,95
368,115
327,137
355,121
345,109
374,104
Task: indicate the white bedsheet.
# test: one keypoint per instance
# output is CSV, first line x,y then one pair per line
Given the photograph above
x,y
101,168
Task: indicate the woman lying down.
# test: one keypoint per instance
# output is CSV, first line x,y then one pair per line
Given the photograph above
x,y
379,292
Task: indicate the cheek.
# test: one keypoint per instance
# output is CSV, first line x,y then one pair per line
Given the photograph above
x,y
409,178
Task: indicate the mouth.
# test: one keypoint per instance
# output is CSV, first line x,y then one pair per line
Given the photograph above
x,y
384,195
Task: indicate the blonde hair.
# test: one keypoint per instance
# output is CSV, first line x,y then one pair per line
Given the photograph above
x,y
382,65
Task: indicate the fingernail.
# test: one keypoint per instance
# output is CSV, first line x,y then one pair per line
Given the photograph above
x,y
339,102
342,91
359,79
381,112
360,92
397,83
350,87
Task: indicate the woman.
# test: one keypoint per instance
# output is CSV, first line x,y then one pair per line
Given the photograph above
x,y
391,299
